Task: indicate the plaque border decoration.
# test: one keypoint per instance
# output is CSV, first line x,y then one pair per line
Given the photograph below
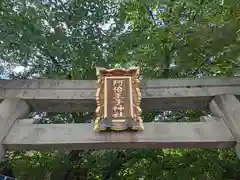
x,y
134,122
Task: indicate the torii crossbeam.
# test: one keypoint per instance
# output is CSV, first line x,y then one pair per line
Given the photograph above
x,y
20,97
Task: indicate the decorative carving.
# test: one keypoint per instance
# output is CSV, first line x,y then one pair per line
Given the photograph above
x,y
118,100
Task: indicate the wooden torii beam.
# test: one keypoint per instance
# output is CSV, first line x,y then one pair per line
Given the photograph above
x,y
20,96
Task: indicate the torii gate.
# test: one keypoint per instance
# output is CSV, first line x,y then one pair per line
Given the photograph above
x,y
20,97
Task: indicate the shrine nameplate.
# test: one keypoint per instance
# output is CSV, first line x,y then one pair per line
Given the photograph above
x,y
118,100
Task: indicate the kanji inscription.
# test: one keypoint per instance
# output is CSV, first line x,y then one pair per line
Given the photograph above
x,y
118,100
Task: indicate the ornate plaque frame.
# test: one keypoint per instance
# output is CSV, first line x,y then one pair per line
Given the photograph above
x,y
118,100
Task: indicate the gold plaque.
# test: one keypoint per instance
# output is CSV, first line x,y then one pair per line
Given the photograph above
x,y
118,100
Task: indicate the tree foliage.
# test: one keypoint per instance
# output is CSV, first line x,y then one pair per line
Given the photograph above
x,y
166,39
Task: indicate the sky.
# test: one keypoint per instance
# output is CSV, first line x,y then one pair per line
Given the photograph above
x,y
16,69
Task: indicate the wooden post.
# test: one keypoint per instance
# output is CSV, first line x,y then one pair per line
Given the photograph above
x,y
11,109
227,107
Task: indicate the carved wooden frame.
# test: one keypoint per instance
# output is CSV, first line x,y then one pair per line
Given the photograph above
x,y
102,124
